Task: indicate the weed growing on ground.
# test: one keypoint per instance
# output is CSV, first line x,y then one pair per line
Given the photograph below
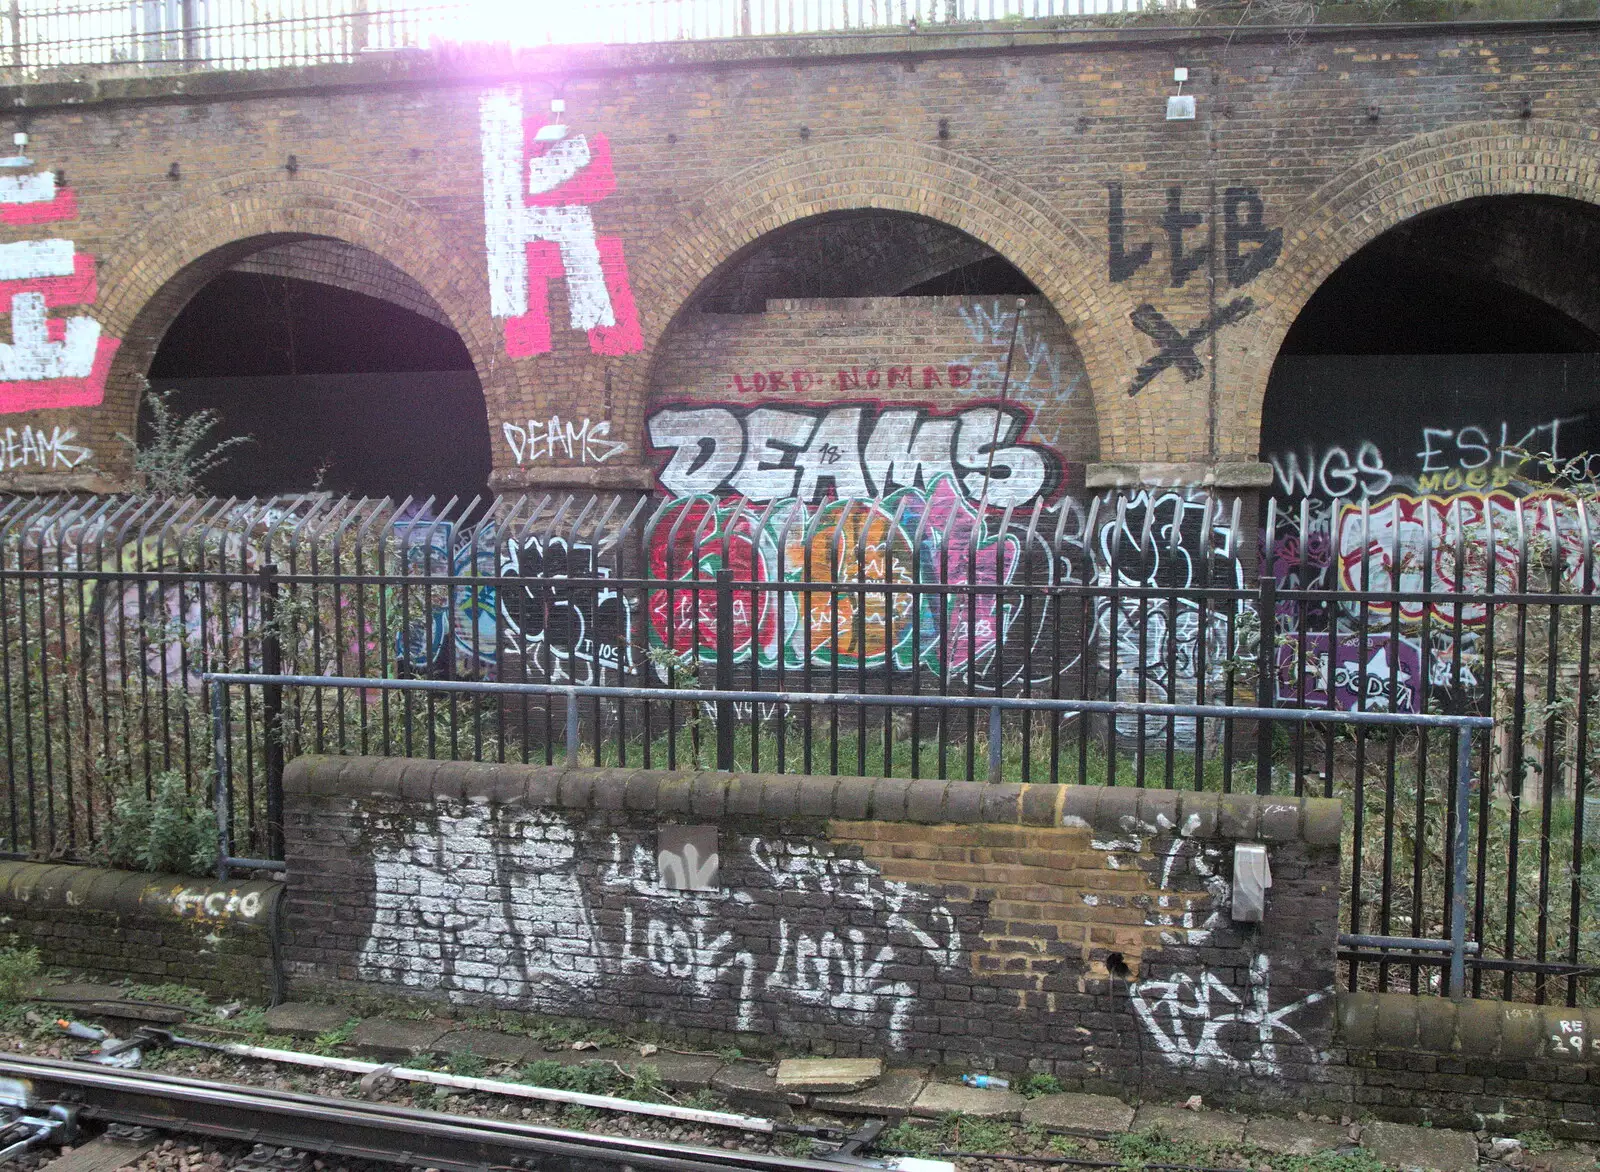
x,y
465,1064
328,1042
1034,1085
1151,1146
19,969
1359,1160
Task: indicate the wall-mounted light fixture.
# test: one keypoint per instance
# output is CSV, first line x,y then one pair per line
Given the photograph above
x,y
173,172
292,165
944,128
1180,106
20,159
554,130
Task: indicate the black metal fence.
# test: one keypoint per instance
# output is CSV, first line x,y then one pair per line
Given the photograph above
x,y
112,610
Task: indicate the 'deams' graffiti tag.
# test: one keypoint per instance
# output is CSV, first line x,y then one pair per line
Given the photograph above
x,y
850,451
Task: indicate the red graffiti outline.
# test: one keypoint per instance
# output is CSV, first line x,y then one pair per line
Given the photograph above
x,y
41,394
63,207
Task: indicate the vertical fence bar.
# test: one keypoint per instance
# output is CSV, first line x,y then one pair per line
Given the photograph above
x,y
272,709
725,667
1266,614
219,751
1458,851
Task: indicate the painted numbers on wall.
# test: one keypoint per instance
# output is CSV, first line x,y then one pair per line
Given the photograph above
x,y
49,362
538,182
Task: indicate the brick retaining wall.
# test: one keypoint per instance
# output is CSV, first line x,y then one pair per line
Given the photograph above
x,y
958,923
215,936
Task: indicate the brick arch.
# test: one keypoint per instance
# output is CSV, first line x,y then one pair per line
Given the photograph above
x,y
201,232
889,175
1388,187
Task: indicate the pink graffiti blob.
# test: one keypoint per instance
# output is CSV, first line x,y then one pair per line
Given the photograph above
x,y
50,362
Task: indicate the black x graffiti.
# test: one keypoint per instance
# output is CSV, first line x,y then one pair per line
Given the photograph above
x,y
1178,349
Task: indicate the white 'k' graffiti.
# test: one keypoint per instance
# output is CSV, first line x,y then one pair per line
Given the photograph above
x,y
511,225
1202,1023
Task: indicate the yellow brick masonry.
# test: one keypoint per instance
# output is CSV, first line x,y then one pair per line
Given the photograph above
x,y
1035,878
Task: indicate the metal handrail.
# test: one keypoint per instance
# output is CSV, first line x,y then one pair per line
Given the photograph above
x,y
1456,945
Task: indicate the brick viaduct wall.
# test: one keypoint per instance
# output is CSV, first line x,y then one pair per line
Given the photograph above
x,y
972,925
1055,155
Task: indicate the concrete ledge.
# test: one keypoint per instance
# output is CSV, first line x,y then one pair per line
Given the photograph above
x,y
1104,809
1474,1028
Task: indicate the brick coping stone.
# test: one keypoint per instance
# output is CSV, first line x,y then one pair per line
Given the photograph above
x,y
1105,809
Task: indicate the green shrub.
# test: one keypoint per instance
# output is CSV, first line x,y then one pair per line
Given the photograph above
x,y
172,830
19,968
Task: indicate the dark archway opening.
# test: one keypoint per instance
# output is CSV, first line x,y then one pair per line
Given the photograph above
x,y
343,372
864,253
1439,350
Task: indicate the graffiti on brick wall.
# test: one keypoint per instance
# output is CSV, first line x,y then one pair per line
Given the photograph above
x,y
50,361
28,447
1041,377
565,634
476,902
1445,500
1163,647
1249,249
540,179
854,451
575,441
1202,1022
846,493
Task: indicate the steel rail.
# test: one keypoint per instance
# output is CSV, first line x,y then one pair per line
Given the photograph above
x,y
357,1129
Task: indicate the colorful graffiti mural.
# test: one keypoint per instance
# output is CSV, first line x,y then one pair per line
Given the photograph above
x,y
912,535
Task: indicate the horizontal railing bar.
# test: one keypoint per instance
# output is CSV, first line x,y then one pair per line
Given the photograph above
x,y
868,699
820,586
1416,943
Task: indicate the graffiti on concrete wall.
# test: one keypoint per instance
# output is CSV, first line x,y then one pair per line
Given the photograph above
x,y
475,901
539,180
50,361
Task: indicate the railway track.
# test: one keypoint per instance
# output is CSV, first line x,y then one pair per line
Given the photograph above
x,y
361,1130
